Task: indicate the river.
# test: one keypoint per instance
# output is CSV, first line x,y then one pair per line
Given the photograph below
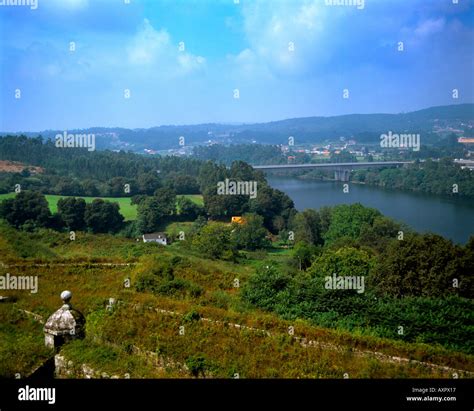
x,y
452,218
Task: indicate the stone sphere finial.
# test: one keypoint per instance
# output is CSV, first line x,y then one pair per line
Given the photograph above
x,y
65,324
66,296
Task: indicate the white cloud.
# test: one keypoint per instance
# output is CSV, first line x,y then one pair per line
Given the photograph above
x,y
189,62
148,45
246,62
430,27
273,28
419,34
154,48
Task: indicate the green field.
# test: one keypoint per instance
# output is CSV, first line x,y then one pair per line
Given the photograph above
x,y
129,211
195,198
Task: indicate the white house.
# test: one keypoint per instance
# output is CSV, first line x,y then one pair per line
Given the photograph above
x,y
159,238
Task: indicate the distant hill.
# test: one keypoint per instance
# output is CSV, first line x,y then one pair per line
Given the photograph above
x,y
363,127
314,129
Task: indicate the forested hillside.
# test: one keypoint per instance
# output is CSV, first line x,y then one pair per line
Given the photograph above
x,y
364,127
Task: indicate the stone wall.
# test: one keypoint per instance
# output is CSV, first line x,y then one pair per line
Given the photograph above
x,y
65,368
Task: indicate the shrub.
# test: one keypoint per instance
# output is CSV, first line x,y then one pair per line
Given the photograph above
x,y
197,365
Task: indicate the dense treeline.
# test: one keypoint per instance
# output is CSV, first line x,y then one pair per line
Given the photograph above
x,y
152,182
436,177
273,205
82,164
79,172
401,263
29,210
421,283
442,177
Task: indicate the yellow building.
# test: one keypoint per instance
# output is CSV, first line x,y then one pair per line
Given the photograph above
x,y
237,220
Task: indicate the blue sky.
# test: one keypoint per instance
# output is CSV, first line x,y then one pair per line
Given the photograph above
x,y
227,46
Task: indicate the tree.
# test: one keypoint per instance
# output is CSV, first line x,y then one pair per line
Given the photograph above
x,y
251,234
137,199
148,183
197,225
241,171
209,174
89,188
182,183
149,215
302,255
68,187
166,200
116,187
380,233
197,365
271,203
265,287
72,211
347,261
188,209
27,207
103,216
214,241
423,265
152,211
224,205
349,220
307,227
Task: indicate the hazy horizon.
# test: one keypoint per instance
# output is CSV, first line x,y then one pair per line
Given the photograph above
x,y
222,123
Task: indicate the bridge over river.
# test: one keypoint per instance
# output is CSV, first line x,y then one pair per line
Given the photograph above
x,y
341,170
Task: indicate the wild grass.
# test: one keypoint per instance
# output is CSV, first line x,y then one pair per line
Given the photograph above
x,y
225,351
219,350
22,343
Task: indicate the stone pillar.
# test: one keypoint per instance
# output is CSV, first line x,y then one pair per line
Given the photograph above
x,y
64,325
341,174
